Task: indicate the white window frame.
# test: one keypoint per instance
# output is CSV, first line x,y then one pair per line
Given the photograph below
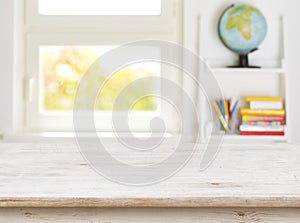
x,y
144,23
46,30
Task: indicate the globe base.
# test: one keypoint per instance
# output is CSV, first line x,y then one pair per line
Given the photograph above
x,y
243,62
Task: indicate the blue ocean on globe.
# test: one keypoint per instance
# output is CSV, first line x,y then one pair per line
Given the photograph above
x,y
242,28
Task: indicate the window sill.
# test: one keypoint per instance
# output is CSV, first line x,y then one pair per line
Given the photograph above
x,y
66,137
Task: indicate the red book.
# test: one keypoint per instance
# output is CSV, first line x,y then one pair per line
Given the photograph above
x,y
244,133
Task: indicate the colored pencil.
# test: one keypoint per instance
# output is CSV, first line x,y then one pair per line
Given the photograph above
x,y
221,117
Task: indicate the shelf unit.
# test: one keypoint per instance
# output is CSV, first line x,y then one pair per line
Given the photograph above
x,y
269,80
245,82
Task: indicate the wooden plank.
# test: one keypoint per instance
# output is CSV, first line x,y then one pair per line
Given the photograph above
x,y
145,202
243,175
115,215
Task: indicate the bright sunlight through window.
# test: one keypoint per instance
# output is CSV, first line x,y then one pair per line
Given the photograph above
x,y
100,7
62,67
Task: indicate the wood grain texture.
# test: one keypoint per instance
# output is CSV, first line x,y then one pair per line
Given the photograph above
x,y
56,175
147,215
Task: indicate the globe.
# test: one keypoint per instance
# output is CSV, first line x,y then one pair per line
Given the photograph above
x,y
242,28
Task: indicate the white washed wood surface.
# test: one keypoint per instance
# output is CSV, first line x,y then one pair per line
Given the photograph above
x,y
56,175
147,215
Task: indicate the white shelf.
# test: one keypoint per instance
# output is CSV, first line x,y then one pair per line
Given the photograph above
x,y
233,138
248,70
269,80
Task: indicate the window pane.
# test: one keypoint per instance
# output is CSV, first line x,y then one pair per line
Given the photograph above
x,y
61,68
100,7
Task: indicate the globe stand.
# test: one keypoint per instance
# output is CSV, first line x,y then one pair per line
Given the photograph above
x,y
244,61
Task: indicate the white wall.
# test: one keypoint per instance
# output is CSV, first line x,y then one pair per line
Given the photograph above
x,y
193,8
212,48
6,64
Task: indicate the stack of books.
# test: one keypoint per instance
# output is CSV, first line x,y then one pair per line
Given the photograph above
x,y
264,116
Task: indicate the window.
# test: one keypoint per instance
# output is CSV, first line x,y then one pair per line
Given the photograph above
x,y
62,67
100,7
63,38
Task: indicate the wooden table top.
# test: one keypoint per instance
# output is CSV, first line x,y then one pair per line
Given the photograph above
x,y
242,175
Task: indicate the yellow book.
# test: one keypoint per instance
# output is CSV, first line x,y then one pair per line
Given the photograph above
x,y
257,98
262,112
